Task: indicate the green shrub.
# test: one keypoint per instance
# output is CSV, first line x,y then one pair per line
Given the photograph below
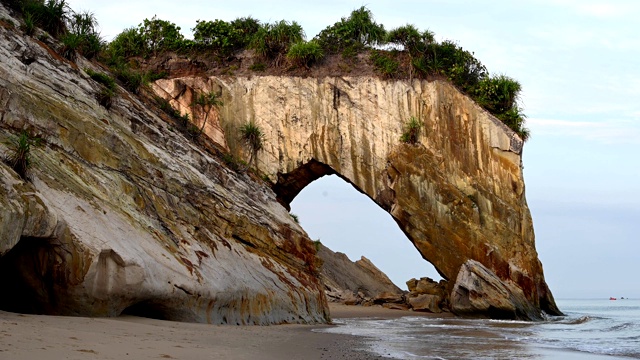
x,y
29,26
218,35
515,120
223,37
408,37
18,155
499,95
130,79
127,44
102,78
414,43
148,39
70,45
384,64
457,64
49,15
246,28
359,30
84,34
151,76
272,41
106,94
411,131
295,218
159,35
305,53
208,99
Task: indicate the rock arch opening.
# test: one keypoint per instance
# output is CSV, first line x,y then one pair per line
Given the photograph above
x,y
331,210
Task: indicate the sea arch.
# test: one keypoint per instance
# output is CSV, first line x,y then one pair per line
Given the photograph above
x,y
458,193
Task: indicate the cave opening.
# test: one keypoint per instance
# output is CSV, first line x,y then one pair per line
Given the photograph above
x,y
345,220
27,281
148,309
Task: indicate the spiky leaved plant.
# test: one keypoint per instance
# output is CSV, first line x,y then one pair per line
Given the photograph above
x,y
18,155
411,131
305,53
252,137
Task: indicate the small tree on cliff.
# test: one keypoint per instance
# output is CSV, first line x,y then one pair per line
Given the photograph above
x,y
207,101
252,137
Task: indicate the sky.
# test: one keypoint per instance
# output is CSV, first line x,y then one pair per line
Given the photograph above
x,y
578,64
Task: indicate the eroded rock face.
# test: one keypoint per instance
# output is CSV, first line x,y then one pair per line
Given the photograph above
x,y
458,194
479,292
350,282
126,215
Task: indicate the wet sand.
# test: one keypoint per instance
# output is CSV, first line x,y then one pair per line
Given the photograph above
x,y
55,337
26,337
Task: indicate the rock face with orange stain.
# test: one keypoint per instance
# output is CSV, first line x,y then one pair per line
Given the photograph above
x,y
125,215
458,193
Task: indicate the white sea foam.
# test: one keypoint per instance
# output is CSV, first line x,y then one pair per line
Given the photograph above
x,y
596,327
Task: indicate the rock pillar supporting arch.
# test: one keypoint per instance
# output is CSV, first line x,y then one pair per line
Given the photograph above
x,y
458,193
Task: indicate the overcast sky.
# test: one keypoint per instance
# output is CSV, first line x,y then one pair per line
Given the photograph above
x,y
578,63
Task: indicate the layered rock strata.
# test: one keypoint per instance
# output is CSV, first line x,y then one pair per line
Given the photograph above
x,y
458,194
125,215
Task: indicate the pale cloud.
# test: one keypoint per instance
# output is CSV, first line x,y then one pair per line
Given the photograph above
x,y
606,10
612,9
610,131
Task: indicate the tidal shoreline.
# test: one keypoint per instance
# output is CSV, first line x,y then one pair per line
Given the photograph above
x,y
28,337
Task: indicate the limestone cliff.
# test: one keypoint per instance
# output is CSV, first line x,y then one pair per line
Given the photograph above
x,y
124,214
458,194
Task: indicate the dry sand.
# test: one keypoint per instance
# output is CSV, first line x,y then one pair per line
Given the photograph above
x,y
55,337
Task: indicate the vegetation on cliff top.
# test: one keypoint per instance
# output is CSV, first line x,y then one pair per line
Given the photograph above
x,y
401,53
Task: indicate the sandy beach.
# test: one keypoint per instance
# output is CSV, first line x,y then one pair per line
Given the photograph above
x,y
55,337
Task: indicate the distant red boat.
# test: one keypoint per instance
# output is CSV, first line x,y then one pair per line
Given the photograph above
x,y
612,298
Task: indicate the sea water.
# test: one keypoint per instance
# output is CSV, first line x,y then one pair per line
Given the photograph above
x,y
591,329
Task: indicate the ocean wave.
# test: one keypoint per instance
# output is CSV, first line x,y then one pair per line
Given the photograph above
x,y
580,320
519,322
623,327
566,320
